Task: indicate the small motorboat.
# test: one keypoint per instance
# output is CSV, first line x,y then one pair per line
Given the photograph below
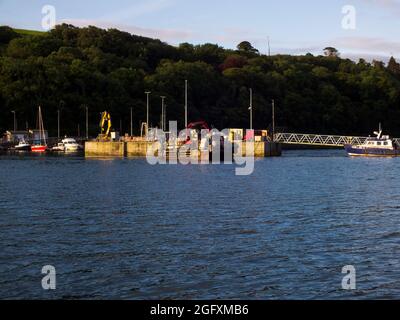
x,y
59,147
380,146
22,146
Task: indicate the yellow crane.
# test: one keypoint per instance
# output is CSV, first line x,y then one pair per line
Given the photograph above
x,y
105,126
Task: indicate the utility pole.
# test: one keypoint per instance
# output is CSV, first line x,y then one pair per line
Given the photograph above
x,y
131,122
165,118
162,113
60,108
269,48
147,117
87,123
186,104
273,120
15,120
251,109
58,124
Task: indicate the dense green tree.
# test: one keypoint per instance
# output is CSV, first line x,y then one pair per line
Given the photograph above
x,y
331,52
70,68
246,47
393,66
7,34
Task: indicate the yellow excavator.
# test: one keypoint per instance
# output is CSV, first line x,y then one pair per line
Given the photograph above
x,y
105,126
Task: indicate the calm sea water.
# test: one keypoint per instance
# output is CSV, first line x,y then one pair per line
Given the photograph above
x,y
122,229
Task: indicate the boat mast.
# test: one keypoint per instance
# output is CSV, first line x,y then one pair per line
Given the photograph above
x,y
41,128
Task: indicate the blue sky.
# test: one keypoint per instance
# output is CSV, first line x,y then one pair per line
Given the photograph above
x,y
294,27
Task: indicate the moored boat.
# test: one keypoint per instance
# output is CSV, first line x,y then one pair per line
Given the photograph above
x,y
22,146
71,145
67,145
40,146
379,146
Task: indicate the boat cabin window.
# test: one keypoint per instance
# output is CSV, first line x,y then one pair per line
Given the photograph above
x,y
379,143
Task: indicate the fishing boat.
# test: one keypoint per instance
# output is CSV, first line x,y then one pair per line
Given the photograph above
x,y
40,145
379,146
22,146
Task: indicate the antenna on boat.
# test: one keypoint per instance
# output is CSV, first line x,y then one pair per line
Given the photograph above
x,y
379,133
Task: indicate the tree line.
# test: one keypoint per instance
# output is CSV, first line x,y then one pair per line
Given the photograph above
x,y
71,68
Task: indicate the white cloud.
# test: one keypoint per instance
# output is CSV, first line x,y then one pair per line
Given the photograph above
x,y
370,45
169,35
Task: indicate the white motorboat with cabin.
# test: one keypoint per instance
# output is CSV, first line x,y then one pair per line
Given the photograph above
x,y
67,145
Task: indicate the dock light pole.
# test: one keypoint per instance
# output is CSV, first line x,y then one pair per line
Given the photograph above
x,y
251,109
58,124
162,113
15,120
60,108
186,104
273,120
131,122
147,117
165,118
87,123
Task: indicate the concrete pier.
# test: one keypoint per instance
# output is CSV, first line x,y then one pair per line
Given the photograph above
x,y
139,149
264,149
104,149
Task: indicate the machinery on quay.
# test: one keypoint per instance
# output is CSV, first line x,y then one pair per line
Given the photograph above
x,y
105,127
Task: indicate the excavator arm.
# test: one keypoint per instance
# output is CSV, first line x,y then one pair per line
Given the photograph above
x,y
105,119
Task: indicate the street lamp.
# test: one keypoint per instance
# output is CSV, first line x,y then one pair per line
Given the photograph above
x,y
162,113
87,123
251,109
58,124
147,117
165,118
60,108
186,104
15,121
131,122
273,120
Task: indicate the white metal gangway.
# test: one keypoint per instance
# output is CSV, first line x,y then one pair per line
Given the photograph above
x,y
317,139
320,140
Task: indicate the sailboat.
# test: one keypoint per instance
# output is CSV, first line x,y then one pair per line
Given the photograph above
x,y
40,145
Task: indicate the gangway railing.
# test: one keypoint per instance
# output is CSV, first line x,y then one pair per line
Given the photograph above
x,y
317,139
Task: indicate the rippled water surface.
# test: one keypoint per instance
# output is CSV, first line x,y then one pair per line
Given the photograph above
x,y
124,229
